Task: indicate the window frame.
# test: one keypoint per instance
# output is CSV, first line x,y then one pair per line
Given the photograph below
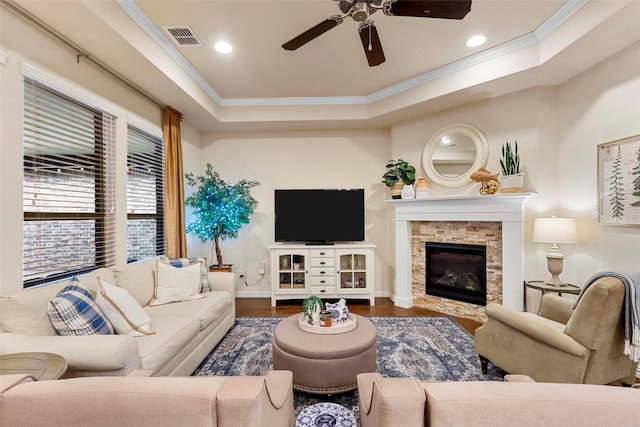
x,y
102,193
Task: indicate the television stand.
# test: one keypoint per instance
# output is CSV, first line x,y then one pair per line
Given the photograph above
x,y
330,271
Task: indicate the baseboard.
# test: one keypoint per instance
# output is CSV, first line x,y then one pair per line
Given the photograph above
x,y
267,294
253,294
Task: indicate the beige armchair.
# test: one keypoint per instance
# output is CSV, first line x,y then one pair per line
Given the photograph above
x,y
561,344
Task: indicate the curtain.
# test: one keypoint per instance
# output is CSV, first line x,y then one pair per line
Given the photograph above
x,y
174,185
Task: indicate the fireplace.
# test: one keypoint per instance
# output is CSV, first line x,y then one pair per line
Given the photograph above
x,y
456,271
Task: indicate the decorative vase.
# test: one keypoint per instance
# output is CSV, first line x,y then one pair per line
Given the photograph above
x,y
396,190
422,189
408,192
512,183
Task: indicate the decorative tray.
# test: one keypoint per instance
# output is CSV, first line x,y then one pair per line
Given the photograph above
x,y
335,328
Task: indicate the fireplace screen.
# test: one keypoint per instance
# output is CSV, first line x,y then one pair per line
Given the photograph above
x,y
457,271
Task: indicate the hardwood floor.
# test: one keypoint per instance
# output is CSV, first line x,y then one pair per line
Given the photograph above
x,y
261,307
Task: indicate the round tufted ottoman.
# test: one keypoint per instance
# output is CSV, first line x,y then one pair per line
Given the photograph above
x,y
324,364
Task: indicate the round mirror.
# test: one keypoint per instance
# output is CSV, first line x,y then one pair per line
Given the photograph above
x,y
454,153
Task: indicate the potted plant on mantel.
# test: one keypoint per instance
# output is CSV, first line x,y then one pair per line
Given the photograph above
x,y
399,173
512,179
221,209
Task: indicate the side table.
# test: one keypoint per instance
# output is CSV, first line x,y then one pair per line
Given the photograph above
x,y
546,288
41,366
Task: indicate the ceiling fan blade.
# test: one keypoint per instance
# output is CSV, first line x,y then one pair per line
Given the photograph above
x,y
447,9
371,43
313,32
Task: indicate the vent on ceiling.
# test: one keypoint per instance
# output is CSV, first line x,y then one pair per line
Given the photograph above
x,y
183,36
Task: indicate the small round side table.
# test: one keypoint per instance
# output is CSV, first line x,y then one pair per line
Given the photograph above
x,y
41,366
544,288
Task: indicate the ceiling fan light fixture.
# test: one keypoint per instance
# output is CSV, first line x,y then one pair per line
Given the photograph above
x,y
476,40
360,11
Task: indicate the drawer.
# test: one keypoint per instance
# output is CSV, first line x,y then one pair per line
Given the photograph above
x,y
322,281
322,271
322,253
322,290
322,262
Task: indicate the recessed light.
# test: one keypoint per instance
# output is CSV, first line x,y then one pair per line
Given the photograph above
x,y
476,41
223,47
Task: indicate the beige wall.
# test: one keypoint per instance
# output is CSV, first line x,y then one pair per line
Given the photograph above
x,y
345,159
558,130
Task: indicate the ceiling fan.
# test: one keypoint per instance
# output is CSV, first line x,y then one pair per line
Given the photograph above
x,y
360,10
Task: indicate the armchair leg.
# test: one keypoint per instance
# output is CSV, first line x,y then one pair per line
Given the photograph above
x,y
484,364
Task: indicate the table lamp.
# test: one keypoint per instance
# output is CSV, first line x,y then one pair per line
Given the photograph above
x,y
555,230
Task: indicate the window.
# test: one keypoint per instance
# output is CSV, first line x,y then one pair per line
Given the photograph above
x,y
68,186
145,195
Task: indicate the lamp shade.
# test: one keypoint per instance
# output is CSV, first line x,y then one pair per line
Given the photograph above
x,y
555,230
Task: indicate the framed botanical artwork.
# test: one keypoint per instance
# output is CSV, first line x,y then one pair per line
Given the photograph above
x,y
619,181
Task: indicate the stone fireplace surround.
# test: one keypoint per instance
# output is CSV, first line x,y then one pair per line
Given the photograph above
x,y
505,209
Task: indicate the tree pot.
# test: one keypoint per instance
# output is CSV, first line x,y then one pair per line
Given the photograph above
x,y
225,268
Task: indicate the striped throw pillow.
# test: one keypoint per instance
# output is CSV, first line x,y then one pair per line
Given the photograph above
x,y
74,312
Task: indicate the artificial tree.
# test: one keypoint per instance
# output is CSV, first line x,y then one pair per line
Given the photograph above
x,y
221,208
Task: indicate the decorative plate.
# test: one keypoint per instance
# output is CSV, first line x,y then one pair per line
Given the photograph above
x,y
326,414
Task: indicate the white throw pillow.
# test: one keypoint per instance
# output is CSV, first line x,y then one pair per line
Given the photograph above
x,y
175,284
122,310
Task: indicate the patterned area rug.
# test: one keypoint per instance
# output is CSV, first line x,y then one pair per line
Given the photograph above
x,y
427,348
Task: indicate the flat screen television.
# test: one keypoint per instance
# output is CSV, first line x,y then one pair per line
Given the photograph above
x,y
319,216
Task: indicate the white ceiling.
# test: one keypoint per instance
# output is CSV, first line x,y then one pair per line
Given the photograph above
x,y
328,83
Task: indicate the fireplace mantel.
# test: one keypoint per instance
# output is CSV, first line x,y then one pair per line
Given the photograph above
x,y
505,208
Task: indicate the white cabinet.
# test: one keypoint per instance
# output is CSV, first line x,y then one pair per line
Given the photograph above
x,y
329,271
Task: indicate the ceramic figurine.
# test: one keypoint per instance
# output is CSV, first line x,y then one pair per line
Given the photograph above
x,y
339,310
488,180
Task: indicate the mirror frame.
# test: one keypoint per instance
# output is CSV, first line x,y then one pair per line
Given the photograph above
x,y
482,154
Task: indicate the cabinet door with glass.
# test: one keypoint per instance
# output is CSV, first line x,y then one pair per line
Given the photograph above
x,y
290,272
355,272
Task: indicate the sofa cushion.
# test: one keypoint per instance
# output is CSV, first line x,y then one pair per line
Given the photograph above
x,y
208,309
175,284
138,279
122,310
185,262
25,312
74,312
173,333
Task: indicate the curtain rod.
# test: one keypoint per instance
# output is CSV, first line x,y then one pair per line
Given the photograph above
x,y
80,52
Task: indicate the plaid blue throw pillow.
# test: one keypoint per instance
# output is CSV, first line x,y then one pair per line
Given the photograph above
x,y
74,312
185,262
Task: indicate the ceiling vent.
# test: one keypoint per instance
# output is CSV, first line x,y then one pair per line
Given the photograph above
x,y
183,36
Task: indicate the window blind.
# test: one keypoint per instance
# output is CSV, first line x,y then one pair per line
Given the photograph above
x,y
145,195
68,186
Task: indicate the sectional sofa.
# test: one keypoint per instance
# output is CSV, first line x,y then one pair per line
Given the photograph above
x,y
143,401
184,332
518,401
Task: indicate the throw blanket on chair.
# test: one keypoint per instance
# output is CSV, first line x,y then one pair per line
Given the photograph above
x,y
631,309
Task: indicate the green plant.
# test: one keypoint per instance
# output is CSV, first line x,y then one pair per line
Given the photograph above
x,y
220,207
399,171
309,306
510,161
